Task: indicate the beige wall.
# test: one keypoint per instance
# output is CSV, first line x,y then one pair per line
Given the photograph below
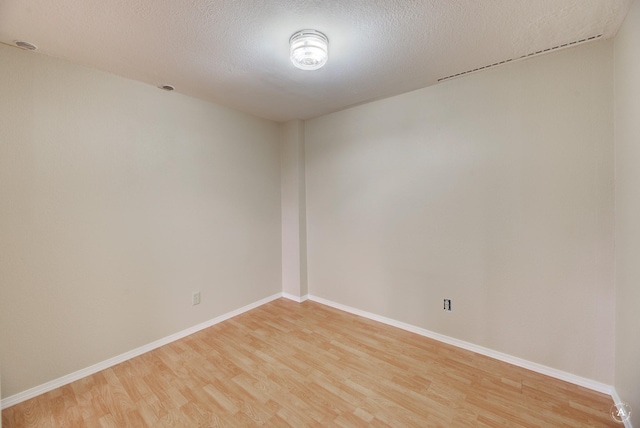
x,y
494,190
627,126
117,201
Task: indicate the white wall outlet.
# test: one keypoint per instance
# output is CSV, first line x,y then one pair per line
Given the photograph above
x,y
195,299
447,305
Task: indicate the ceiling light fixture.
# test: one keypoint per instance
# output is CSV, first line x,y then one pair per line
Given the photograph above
x,y
309,49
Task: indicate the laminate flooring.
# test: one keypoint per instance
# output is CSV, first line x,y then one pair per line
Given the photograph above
x,y
288,364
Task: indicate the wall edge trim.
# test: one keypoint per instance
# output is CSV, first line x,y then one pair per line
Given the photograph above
x,y
82,373
295,298
616,400
529,365
539,368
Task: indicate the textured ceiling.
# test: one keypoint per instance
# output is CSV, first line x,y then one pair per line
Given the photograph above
x,y
235,52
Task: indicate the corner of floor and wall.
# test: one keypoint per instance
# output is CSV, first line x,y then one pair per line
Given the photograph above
x,y
511,192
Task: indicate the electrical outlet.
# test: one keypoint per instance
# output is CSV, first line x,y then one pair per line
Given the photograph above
x,y
195,299
447,305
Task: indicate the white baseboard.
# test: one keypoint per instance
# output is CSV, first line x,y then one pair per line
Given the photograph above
x,y
539,368
72,377
616,400
295,298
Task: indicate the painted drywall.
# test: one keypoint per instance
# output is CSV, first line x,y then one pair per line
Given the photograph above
x,y
494,190
294,245
627,161
117,201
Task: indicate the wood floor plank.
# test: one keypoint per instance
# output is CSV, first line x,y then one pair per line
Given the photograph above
x,y
286,364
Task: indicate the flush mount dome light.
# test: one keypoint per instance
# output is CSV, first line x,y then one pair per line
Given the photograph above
x,y
309,49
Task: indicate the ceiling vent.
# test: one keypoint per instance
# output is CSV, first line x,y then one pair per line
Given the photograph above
x,y
566,45
25,45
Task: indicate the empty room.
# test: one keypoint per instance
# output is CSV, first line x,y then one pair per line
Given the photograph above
x,y
319,213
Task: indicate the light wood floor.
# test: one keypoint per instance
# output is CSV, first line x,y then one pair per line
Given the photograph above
x,y
290,364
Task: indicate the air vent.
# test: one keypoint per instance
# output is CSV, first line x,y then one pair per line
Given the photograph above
x,y
566,45
25,45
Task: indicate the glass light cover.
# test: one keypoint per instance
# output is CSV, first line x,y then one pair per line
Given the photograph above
x,y
309,49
